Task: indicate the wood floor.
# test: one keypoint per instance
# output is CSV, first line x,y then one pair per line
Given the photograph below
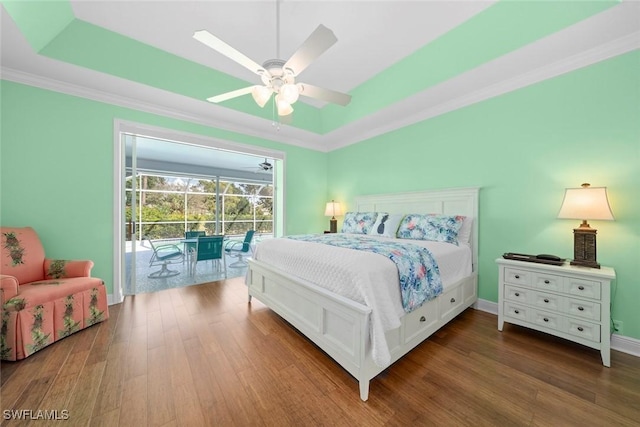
x,y
201,355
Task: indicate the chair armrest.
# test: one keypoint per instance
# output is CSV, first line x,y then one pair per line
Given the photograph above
x,y
60,268
168,250
8,288
231,244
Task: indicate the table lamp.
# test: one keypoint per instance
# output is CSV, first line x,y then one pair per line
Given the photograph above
x,y
585,203
333,208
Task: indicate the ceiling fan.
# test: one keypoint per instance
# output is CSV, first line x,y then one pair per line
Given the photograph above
x,y
279,76
262,167
265,166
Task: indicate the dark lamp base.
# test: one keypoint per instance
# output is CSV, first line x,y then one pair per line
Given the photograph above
x,y
333,225
584,247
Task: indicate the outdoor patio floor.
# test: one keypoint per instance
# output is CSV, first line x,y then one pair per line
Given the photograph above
x,y
206,271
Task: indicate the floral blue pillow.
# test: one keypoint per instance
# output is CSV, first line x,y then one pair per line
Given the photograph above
x,y
358,222
437,228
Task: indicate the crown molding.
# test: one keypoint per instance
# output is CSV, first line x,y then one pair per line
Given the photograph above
x,y
220,117
410,111
352,134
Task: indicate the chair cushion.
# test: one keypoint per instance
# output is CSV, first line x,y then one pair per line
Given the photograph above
x,y
43,291
22,254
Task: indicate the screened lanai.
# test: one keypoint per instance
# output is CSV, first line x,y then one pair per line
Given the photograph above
x,y
171,188
169,205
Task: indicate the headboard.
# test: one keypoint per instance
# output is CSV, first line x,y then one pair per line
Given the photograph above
x,y
450,201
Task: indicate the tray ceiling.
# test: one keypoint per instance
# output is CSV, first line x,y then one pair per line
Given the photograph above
x,y
402,62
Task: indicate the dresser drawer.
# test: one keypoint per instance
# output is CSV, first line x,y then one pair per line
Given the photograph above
x,y
582,287
450,301
548,282
547,301
516,311
549,320
420,319
586,330
513,293
517,277
585,309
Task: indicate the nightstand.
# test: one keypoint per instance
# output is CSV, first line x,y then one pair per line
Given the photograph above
x,y
566,301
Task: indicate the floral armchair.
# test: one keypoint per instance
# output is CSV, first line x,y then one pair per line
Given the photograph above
x,y
43,300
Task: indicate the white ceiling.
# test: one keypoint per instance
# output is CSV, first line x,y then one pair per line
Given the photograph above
x,y
372,35
170,157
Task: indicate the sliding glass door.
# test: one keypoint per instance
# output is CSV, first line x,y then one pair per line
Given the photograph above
x,y
169,187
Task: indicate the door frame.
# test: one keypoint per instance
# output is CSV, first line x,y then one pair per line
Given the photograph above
x,y
119,168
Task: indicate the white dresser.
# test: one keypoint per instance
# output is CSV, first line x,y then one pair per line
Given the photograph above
x,y
566,301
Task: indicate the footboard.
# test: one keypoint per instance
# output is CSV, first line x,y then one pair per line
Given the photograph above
x,y
340,326
336,324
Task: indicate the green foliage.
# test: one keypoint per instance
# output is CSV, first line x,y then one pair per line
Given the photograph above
x,y
163,201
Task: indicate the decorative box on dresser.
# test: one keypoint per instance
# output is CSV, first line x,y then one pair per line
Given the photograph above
x,y
566,301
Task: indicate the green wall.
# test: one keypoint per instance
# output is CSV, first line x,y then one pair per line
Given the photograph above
x,y
523,149
56,160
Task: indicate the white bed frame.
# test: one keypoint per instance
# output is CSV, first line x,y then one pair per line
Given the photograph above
x,y
340,326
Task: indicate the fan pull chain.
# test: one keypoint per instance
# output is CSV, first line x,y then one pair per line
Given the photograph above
x,y
273,114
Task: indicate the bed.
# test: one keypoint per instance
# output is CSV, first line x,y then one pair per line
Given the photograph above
x,y
347,329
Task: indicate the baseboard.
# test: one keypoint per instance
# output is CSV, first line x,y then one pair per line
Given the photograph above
x,y
618,342
625,344
488,306
111,300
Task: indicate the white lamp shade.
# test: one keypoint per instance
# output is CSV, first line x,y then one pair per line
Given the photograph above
x,y
333,209
284,108
289,93
261,95
586,203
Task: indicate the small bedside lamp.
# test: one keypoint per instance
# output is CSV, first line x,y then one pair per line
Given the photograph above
x,y
585,203
333,208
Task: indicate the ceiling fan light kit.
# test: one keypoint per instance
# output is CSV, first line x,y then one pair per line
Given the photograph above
x,y
261,95
289,93
284,108
278,76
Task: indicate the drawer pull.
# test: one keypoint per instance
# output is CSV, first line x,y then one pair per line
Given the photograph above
x,y
452,300
422,319
546,300
517,294
517,276
580,308
581,287
546,319
580,328
516,311
546,282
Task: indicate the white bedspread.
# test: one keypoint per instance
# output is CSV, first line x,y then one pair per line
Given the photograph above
x,y
365,277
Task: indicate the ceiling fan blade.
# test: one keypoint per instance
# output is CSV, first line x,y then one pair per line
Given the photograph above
x,y
218,45
230,95
314,46
322,94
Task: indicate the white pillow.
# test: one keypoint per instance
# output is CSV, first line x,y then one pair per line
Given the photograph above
x,y
386,224
464,235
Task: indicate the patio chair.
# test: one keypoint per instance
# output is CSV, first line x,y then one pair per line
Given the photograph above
x,y
208,248
192,235
239,248
164,254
